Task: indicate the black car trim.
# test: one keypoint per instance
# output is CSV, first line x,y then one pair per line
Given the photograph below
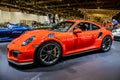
x,y
19,63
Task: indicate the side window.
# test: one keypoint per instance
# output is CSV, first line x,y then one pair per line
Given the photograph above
x,y
94,27
77,26
83,25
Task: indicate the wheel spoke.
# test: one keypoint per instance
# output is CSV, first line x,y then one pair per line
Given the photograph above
x,y
45,58
44,55
103,45
49,58
52,57
52,47
108,40
44,51
47,48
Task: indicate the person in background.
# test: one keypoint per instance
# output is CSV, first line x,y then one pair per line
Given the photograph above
x,y
115,24
7,25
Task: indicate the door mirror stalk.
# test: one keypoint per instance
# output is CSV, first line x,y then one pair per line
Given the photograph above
x,y
77,31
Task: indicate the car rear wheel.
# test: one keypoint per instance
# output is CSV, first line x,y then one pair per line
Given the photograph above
x,y
49,53
106,44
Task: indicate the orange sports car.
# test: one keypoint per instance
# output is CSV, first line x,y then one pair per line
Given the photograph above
x,y
47,46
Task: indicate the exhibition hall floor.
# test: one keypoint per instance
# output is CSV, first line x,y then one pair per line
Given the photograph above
x,y
86,66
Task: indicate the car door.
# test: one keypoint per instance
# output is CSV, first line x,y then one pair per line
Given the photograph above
x,y
77,42
85,39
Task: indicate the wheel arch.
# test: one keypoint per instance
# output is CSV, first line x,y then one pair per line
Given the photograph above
x,y
106,36
103,39
58,42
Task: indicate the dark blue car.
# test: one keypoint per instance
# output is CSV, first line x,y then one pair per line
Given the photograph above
x,y
13,31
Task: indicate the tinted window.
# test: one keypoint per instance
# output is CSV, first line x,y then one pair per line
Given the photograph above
x,y
94,27
62,27
84,26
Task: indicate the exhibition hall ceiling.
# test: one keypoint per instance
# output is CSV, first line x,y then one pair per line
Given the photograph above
x,y
62,7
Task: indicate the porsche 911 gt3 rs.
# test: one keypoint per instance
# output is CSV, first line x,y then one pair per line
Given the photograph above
x,y
47,46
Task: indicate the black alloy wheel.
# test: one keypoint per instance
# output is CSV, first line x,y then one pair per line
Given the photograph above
x,y
49,53
106,44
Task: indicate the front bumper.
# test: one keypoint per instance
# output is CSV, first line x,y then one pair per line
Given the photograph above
x,y
117,38
19,57
21,63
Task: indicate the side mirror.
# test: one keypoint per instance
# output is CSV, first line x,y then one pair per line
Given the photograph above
x,y
78,30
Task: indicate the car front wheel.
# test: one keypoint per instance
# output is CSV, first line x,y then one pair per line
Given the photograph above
x,y
49,53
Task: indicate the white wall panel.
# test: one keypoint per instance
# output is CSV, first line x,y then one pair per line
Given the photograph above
x,y
5,16
16,17
46,19
43,19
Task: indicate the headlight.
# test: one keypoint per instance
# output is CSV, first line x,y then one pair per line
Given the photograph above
x,y
29,40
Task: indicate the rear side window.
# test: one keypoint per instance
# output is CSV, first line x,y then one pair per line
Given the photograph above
x,y
94,27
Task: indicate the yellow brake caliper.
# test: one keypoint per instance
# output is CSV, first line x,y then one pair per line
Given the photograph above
x,y
55,52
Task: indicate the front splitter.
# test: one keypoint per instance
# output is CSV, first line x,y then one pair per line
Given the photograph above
x,y
19,63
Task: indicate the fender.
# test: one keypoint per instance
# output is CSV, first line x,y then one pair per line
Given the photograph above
x,y
47,39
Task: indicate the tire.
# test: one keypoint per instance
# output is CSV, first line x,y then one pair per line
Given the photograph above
x,y
106,44
49,53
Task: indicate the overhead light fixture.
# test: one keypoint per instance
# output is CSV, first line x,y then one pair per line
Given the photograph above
x,y
98,7
68,4
46,6
73,8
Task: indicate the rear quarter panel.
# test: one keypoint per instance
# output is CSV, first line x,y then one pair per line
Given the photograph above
x,y
105,33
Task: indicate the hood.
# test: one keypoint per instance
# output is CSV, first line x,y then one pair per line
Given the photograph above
x,y
3,29
40,34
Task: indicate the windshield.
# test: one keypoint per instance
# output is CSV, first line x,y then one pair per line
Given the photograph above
x,y
62,27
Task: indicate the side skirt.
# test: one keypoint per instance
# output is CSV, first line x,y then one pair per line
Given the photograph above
x,y
81,52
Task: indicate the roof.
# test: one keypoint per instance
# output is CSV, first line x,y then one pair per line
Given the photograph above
x,y
62,7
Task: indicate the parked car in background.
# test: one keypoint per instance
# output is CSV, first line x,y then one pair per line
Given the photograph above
x,y
116,34
11,31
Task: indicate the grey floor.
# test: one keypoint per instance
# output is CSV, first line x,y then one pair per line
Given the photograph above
x,y
86,66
